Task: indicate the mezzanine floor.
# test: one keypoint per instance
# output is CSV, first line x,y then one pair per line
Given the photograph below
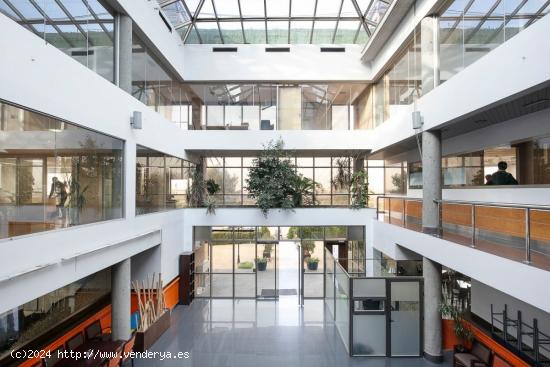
x,y
240,333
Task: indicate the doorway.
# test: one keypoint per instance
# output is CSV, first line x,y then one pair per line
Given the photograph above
x,y
270,263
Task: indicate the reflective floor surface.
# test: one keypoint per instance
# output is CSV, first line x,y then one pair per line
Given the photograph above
x,y
241,333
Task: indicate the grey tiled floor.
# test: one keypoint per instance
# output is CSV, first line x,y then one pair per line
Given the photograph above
x,y
243,333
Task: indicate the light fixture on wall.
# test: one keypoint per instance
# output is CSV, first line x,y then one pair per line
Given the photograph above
x,y
135,120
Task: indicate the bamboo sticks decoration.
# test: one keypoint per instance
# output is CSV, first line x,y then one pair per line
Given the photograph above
x,y
151,304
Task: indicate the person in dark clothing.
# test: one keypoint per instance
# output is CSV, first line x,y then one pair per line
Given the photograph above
x,y
501,177
488,179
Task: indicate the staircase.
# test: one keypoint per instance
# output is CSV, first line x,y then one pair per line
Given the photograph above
x,y
525,340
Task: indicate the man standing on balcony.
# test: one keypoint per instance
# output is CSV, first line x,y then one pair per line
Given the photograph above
x,y
501,177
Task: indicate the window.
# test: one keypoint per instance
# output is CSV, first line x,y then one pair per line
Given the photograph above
x,y
63,176
162,181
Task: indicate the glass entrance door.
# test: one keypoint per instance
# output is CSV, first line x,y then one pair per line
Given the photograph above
x,y
266,269
288,269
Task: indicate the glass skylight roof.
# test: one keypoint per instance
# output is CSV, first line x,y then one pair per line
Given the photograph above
x,y
275,21
67,23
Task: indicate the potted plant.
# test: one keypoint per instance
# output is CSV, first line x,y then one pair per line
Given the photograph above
x,y
463,334
274,182
312,263
154,316
261,264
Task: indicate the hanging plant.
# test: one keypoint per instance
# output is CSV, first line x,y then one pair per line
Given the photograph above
x,y
359,190
274,182
200,194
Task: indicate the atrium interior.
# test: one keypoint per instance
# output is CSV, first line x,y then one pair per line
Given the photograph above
x,y
216,183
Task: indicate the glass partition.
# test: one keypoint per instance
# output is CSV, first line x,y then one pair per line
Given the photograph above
x,y
24,325
162,181
258,262
342,303
54,174
328,106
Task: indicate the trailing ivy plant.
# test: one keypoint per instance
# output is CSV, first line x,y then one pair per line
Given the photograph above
x,y
200,194
359,190
274,182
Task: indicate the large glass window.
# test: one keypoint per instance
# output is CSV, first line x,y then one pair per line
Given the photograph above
x,y
278,106
231,173
158,88
526,163
23,325
162,181
54,174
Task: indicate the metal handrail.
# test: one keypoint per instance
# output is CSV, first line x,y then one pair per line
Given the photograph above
x,y
465,202
527,208
492,204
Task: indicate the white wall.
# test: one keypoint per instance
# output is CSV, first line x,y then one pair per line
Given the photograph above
x,y
483,296
254,217
78,251
511,277
252,63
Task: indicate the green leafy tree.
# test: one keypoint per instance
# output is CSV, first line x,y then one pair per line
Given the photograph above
x,y
274,182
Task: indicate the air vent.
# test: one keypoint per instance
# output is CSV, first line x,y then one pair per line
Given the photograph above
x,y
333,49
82,53
166,22
477,49
277,49
224,49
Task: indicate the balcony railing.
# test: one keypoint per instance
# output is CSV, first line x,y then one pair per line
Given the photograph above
x,y
517,232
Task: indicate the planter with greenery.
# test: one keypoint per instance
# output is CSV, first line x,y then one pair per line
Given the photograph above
x,y
246,265
274,182
261,264
461,330
312,263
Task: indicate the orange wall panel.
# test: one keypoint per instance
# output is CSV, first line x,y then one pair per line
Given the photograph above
x,y
450,340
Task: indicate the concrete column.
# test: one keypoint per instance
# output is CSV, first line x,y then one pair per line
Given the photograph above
x,y
121,301
431,181
429,52
124,65
196,114
432,317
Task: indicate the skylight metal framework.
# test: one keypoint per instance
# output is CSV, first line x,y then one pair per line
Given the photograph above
x,y
64,18
275,21
475,14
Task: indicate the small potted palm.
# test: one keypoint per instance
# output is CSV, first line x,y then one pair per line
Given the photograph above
x,y
312,263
